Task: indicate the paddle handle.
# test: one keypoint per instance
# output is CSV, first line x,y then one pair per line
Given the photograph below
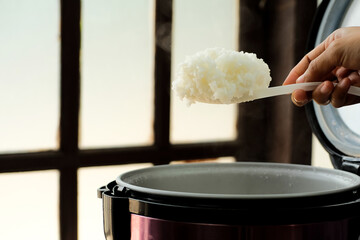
x,y
288,89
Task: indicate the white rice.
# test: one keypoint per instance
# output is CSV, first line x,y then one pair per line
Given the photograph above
x,y
217,75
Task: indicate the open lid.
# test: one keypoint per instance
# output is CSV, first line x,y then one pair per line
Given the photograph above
x,y
338,130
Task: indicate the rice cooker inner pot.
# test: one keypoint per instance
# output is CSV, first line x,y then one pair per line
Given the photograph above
x,y
220,193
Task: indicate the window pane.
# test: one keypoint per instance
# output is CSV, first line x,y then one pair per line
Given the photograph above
x,y
117,73
29,75
319,156
29,205
199,25
90,207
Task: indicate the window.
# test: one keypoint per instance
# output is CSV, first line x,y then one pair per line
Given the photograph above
x,y
85,95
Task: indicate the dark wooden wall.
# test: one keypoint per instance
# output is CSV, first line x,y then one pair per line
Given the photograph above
x,y
274,130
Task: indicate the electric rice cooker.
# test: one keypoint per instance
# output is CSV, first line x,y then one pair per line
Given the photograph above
x,y
250,201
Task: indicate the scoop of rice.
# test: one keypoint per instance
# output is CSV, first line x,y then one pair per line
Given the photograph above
x,y
217,75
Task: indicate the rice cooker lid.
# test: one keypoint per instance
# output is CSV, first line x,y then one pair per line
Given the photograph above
x,y
338,130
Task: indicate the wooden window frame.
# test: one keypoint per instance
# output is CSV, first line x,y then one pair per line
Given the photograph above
x,y
69,158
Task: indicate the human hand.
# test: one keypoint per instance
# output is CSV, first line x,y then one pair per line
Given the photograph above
x,y
336,59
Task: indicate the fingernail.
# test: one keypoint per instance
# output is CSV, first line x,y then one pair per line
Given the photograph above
x,y
299,103
342,84
300,79
324,89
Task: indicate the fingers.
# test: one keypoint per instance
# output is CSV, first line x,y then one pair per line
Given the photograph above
x,y
325,93
354,78
322,94
341,72
339,95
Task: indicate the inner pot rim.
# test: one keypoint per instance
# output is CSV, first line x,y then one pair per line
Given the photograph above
x,y
125,179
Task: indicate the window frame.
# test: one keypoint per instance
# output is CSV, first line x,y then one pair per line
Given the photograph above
x,y
69,158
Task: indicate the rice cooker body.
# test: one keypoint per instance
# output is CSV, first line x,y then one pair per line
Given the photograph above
x,y
144,214
172,230
137,219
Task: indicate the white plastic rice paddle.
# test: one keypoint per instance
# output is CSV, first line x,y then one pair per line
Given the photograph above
x,y
288,89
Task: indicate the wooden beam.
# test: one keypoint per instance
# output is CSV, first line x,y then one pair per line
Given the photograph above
x,y
163,31
274,130
69,116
